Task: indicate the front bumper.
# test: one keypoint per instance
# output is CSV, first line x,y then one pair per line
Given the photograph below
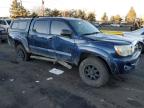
x,y
126,64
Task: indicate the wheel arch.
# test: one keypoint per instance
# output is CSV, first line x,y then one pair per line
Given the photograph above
x,y
19,42
85,55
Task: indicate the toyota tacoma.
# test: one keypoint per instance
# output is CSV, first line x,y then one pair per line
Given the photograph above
x,y
74,41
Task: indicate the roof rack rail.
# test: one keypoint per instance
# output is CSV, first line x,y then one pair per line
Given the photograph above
x,y
44,16
26,17
33,16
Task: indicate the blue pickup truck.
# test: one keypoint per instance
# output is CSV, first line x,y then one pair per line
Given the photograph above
x,y
75,42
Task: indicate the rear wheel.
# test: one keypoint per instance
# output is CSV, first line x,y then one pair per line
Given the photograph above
x,y
93,71
21,54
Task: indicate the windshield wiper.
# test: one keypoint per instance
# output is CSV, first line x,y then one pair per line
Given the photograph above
x,y
90,33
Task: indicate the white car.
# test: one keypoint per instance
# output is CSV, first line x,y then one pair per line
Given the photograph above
x,y
115,25
5,23
136,35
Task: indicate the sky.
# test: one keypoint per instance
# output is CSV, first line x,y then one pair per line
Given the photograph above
x,y
111,7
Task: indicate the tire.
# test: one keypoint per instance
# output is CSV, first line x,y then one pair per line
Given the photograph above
x,y
21,54
142,52
141,47
93,72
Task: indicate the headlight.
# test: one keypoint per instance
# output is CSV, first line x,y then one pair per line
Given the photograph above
x,y
124,50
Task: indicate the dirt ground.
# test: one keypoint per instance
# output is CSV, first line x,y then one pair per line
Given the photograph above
x,y
30,85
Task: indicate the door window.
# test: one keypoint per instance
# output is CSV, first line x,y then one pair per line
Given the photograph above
x,y
15,25
42,27
58,26
22,25
19,25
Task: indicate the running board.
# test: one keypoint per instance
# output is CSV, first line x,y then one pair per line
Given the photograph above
x,y
53,60
65,64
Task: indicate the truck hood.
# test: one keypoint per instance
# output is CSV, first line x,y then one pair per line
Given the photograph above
x,y
110,38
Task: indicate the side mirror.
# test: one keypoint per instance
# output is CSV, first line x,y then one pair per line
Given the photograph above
x,y
66,33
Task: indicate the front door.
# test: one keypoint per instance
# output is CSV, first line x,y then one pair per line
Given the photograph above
x,y
64,46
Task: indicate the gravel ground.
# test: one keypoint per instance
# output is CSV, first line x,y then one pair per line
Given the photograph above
x,y
30,85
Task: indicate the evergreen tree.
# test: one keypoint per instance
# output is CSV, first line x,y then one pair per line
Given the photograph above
x,y
73,13
66,13
131,16
112,19
17,10
81,14
104,18
117,19
48,12
33,14
91,17
56,13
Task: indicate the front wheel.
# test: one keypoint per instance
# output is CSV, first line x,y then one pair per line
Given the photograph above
x,y
141,47
93,72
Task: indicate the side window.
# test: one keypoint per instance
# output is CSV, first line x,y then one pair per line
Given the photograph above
x,y
42,27
2,22
58,26
15,25
19,25
22,25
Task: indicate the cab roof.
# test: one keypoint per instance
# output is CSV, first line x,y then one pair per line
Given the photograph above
x,y
45,17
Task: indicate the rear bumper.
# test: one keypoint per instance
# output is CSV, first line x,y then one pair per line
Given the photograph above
x,y
125,65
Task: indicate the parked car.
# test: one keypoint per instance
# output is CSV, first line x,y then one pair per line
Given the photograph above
x,y
137,35
76,42
3,34
97,25
115,25
5,23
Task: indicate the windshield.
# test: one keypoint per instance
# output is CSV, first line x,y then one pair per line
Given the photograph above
x,y
83,27
8,21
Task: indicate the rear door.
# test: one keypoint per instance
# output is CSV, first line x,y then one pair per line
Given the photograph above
x,y
64,46
40,41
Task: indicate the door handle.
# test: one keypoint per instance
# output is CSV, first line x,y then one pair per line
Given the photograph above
x,y
49,38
